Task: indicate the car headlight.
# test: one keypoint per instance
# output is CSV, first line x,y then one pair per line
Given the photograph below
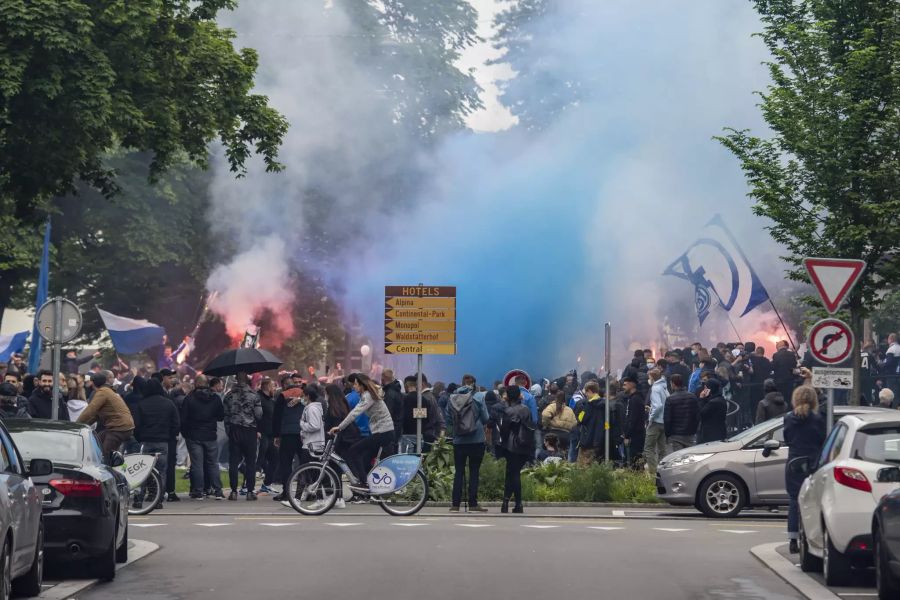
x,y
687,459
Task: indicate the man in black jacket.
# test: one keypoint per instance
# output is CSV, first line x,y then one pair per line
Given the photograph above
x,y
784,363
635,419
761,370
201,412
41,401
681,416
393,399
156,422
268,453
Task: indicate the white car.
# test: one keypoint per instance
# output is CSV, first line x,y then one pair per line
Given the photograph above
x,y
839,496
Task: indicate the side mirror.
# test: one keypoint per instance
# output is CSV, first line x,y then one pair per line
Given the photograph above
x,y
770,446
40,467
800,466
116,459
888,475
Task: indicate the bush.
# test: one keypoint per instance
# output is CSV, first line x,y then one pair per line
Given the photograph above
x,y
554,482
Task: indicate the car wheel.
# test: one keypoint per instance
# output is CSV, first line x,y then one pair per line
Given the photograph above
x,y
835,566
104,566
29,584
808,562
888,585
6,566
122,551
722,496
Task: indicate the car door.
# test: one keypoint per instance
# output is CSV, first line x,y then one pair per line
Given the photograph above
x,y
21,504
815,485
115,485
768,471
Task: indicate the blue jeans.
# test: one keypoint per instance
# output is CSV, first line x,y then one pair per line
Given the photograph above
x,y
204,466
793,524
573,447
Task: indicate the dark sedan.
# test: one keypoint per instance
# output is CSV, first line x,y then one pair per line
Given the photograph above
x,y
886,535
85,500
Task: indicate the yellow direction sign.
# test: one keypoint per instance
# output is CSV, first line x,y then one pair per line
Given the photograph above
x,y
420,348
447,314
421,302
419,325
443,337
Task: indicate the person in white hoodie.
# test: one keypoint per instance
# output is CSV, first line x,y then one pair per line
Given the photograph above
x,y
312,425
76,402
655,442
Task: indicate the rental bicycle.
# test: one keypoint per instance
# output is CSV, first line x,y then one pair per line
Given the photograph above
x,y
397,484
145,485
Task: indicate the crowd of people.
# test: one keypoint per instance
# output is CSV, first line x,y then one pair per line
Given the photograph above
x,y
263,427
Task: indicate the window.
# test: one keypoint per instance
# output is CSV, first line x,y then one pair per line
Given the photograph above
x,y
775,434
832,445
879,444
10,456
4,454
838,442
95,451
61,447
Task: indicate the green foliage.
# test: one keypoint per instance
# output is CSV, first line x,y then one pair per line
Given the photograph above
x,y
829,177
886,318
552,482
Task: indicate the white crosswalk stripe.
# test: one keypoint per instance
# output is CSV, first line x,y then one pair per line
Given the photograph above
x,y
147,524
409,524
343,524
212,524
737,531
541,526
669,529
277,524
473,525
607,528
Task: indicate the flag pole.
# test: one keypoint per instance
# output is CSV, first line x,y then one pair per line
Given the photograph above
x,y
783,326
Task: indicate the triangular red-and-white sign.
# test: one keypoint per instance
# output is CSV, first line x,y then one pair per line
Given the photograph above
x,y
834,278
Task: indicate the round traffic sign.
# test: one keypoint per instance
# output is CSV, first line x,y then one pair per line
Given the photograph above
x,y
831,341
510,377
59,321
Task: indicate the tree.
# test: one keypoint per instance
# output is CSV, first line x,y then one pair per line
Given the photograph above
x,y
829,177
542,88
79,78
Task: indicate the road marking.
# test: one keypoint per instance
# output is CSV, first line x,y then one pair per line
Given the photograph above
x,y
343,524
409,524
277,524
848,594
148,524
737,531
618,513
473,525
212,524
669,529
276,518
607,528
541,526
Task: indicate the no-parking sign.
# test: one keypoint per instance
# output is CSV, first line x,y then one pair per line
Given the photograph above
x,y
831,341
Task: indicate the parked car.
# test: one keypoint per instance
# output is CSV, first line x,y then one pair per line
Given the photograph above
x,y
723,478
838,498
886,537
85,499
21,523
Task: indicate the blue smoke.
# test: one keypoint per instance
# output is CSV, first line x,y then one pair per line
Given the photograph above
x,y
548,236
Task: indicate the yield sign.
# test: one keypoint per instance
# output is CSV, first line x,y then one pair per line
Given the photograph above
x,y
834,278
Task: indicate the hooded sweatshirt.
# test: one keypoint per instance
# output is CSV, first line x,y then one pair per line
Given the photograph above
x,y
200,413
76,407
773,405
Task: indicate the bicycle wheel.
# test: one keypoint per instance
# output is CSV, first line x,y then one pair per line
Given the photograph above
x,y
143,499
407,501
312,489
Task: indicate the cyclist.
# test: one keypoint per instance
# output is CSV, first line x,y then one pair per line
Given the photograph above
x,y
381,426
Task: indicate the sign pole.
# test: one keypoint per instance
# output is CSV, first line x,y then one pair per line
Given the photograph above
x,y
606,366
830,401
419,404
55,367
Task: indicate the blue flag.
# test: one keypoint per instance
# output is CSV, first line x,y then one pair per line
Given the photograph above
x,y
131,336
715,263
12,344
34,355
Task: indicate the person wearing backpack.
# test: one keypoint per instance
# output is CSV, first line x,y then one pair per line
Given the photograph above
x,y
517,446
467,412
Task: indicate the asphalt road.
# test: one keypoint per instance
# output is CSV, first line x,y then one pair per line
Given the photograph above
x,y
373,555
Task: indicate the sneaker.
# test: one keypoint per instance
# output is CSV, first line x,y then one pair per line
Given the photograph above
x,y
196,496
266,490
187,475
477,508
243,491
287,504
340,503
794,547
159,506
251,496
218,495
358,500
518,510
173,497
233,496
454,509
137,505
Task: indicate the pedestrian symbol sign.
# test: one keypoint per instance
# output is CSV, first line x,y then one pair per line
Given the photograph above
x,y
834,278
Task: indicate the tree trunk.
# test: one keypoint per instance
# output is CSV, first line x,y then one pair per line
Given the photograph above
x,y
856,326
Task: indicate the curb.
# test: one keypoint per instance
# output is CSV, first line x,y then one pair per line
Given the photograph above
x,y
768,555
66,589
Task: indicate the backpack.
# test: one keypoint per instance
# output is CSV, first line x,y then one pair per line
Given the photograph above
x,y
462,409
522,439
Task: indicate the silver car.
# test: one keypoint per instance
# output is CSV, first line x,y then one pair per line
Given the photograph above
x,y
723,478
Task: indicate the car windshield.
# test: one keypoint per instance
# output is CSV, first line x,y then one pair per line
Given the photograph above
x,y
878,444
57,446
749,434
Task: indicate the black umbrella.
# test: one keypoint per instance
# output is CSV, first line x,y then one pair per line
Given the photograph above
x,y
242,360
